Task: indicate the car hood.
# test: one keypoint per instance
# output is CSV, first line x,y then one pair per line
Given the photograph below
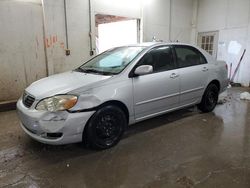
x,y
63,83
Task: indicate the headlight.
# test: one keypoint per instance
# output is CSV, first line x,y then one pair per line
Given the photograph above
x,y
57,103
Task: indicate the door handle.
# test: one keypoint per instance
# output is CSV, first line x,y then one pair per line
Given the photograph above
x,y
205,69
174,75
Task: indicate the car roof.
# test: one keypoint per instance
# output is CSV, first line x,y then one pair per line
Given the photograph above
x,y
148,45
152,44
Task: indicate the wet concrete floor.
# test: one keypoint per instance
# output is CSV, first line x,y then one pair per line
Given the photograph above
x,y
180,149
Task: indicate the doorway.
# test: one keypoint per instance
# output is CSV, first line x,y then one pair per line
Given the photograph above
x,y
113,31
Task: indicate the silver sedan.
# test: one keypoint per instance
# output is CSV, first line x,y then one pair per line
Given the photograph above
x,y
95,102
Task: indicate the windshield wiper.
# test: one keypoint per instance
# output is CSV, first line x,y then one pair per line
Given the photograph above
x,y
91,70
79,69
114,67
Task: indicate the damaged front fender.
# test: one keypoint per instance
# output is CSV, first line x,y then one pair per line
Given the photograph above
x,y
85,102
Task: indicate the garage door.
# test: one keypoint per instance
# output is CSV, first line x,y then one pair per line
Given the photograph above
x,y
22,56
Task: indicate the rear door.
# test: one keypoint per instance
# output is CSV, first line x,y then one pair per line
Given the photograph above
x,y
193,70
157,92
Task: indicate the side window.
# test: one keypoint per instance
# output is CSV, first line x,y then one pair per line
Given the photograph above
x,y
161,58
188,56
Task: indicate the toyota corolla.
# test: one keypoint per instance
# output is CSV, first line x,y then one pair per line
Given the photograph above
x,y
98,100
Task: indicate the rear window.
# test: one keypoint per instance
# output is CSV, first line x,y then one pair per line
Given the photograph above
x,y
188,56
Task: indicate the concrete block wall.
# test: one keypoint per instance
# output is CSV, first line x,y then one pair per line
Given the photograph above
x,y
181,20
23,37
232,19
78,28
156,16
36,34
168,20
22,56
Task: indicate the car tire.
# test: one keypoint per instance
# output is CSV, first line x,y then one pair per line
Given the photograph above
x,y
105,128
209,98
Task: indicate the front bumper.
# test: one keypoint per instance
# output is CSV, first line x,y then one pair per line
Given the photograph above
x,y
55,128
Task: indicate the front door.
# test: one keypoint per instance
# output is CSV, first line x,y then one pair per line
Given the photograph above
x,y
157,92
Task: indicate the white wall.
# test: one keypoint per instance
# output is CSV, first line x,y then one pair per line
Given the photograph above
x,y
78,28
54,27
125,8
78,33
156,22
164,19
168,20
23,61
231,19
181,20
22,57
155,15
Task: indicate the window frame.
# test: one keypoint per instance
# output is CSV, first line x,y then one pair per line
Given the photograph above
x,y
205,34
192,48
132,74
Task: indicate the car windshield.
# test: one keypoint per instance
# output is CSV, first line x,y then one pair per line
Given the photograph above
x,y
112,61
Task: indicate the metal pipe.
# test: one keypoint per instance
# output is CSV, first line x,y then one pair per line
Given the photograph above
x,y
44,38
194,39
138,30
170,20
66,24
90,29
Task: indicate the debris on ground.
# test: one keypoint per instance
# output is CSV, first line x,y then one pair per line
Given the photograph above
x,y
221,101
185,181
235,84
245,96
223,98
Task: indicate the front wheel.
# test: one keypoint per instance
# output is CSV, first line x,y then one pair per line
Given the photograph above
x,y
209,99
105,127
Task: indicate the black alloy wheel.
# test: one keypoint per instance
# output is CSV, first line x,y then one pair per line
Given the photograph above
x,y
105,127
209,99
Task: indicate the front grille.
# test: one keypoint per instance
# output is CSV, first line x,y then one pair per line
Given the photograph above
x,y
28,100
54,135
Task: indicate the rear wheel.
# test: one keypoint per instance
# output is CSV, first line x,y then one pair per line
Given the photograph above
x,y
209,99
105,127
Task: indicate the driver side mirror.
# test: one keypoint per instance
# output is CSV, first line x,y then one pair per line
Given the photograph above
x,y
143,70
